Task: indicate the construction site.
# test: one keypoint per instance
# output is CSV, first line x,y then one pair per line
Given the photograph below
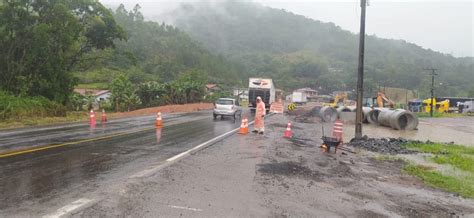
x,y
126,108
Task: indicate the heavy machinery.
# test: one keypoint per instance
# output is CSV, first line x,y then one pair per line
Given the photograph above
x,y
440,107
337,100
384,101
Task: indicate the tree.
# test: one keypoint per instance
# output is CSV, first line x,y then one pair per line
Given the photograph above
x,y
122,92
41,42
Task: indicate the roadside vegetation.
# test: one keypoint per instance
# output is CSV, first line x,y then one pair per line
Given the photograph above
x,y
460,158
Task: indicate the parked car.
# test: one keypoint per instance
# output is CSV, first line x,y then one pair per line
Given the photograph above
x,y
227,107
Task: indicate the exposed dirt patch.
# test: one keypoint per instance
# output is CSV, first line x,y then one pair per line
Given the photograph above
x,y
358,183
289,169
168,109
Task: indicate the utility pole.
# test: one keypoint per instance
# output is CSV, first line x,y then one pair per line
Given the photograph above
x,y
360,72
433,74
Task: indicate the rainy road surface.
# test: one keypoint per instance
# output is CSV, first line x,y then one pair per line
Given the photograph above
x,y
79,161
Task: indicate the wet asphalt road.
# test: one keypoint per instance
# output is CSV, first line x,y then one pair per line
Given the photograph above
x,y
32,183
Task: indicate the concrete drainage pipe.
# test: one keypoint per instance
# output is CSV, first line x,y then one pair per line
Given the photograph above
x,y
369,115
344,109
398,119
328,114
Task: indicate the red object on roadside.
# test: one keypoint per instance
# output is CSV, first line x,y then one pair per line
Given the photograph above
x,y
288,132
104,116
92,117
159,122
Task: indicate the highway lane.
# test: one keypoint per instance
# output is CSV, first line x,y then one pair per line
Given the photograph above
x,y
31,183
34,136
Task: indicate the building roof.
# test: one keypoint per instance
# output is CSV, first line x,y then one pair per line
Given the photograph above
x,y
211,86
306,90
94,92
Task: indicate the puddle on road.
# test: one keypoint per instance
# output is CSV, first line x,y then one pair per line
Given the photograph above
x,y
436,130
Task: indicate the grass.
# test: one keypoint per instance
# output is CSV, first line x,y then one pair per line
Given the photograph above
x,y
70,117
458,156
463,186
440,115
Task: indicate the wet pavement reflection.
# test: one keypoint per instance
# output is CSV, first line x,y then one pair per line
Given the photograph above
x,y
32,178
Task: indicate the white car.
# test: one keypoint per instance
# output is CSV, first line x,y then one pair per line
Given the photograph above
x,y
227,107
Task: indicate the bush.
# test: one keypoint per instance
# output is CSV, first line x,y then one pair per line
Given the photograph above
x,y
13,107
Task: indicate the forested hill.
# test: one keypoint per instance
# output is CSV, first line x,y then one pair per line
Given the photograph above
x,y
156,52
298,51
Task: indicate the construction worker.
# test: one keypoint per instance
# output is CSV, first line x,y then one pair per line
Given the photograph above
x,y
259,125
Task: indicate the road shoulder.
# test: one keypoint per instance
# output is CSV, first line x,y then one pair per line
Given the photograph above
x,y
267,175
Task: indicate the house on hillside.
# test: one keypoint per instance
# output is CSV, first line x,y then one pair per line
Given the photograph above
x,y
99,95
309,92
212,88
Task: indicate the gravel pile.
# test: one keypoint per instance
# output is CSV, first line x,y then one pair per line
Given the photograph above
x,y
381,145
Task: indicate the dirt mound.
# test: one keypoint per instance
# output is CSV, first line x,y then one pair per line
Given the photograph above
x,y
381,145
169,109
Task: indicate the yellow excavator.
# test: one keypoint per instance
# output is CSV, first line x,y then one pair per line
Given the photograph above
x,y
440,107
384,101
336,102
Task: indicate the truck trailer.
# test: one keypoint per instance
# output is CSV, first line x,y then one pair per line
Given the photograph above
x,y
261,87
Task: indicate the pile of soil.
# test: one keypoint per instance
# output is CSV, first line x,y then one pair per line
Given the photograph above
x,y
381,145
169,109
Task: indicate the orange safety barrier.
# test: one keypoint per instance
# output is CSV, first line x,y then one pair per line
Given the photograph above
x,y
337,130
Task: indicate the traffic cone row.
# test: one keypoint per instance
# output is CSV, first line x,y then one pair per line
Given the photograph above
x,y
104,117
92,118
244,127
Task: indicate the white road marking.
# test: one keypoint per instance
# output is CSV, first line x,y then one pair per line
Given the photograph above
x,y
151,171
179,156
185,208
69,208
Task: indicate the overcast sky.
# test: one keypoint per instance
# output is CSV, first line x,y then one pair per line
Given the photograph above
x,y
442,25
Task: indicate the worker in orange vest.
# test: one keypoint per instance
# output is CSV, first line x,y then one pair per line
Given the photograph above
x,y
259,125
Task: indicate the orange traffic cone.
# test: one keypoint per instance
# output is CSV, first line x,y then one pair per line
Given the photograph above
x,y
244,127
337,131
288,133
104,117
159,122
92,118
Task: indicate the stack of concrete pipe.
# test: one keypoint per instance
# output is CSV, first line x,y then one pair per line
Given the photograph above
x,y
399,119
328,114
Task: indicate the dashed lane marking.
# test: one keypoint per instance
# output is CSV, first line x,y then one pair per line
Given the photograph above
x,y
185,208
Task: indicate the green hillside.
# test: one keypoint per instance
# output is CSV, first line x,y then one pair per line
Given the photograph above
x,y
156,52
297,51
